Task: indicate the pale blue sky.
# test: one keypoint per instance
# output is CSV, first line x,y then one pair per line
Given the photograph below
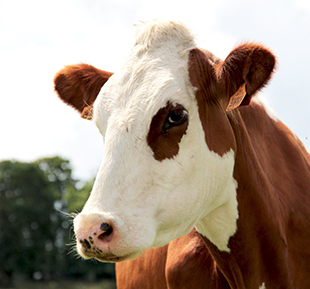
x,y
37,38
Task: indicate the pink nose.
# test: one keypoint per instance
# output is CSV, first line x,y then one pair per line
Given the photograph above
x,y
95,241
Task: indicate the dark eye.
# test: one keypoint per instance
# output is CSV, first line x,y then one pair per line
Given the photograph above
x,y
177,116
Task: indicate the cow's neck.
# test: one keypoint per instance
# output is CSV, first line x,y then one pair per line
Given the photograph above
x,y
221,223
259,248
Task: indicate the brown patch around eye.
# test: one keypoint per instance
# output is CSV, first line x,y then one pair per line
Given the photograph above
x,y
165,142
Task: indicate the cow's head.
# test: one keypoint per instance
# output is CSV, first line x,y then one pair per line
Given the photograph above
x,y
169,147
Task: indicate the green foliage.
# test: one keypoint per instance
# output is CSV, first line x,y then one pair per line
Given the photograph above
x,y
76,199
35,199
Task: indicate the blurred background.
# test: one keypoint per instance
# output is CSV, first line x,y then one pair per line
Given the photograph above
x,y
49,156
36,236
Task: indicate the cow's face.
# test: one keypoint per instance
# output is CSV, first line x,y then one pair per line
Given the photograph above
x,y
168,151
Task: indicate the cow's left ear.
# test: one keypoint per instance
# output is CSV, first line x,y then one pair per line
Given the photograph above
x,y
246,70
78,85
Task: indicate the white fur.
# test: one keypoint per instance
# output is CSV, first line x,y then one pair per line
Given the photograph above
x,y
151,202
262,286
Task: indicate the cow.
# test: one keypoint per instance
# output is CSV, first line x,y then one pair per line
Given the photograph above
x,y
189,144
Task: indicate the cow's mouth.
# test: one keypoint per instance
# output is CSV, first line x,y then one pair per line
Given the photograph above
x,y
114,258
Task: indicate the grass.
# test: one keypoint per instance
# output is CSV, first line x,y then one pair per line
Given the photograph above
x,y
65,285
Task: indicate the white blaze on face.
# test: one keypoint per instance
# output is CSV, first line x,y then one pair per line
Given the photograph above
x,y
148,201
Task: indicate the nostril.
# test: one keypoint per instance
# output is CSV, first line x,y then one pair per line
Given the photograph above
x,y
107,230
105,226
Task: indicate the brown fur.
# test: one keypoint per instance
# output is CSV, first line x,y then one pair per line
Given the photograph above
x,y
164,145
211,108
183,263
248,63
272,169
78,85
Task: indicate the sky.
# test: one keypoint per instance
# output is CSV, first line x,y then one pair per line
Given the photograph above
x,y
37,38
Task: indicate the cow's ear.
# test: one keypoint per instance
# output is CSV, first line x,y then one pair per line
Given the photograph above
x,y
246,70
78,85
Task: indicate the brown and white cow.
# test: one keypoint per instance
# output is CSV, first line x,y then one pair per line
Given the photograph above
x,y
188,145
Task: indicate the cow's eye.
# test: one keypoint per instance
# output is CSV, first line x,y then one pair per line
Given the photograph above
x,y
177,116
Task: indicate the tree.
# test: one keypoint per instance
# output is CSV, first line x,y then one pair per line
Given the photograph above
x,y
76,198
26,226
34,223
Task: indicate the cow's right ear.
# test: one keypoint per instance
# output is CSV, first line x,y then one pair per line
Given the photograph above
x,y
78,85
246,70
